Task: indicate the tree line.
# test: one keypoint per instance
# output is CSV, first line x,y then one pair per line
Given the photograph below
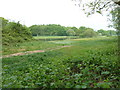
x,y
14,32
58,30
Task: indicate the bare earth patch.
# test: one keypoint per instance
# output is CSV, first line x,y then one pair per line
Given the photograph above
x,y
30,52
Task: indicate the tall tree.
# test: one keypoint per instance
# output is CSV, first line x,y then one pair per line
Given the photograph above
x,y
93,6
116,19
70,32
88,33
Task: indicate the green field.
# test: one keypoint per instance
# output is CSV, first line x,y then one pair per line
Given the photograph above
x,y
27,46
88,63
54,37
45,37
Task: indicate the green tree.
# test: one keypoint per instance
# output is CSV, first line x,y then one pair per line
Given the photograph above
x,y
48,30
116,19
75,30
13,32
70,32
99,6
89,33
83,29
34,30
107,32
101,32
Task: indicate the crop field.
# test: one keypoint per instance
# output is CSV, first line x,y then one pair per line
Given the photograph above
x,y
87,63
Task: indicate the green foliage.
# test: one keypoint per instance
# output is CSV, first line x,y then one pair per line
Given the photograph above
x,y
89,33
58,30
107,33
13,32
4,21
27,46
70,32
48,30
89,63
99,6
116,19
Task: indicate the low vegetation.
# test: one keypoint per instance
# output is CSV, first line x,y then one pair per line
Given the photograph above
x,y
50,38
27,46
13,32
88,63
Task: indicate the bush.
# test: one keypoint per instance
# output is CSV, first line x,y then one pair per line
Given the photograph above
x,y
13,32
88,33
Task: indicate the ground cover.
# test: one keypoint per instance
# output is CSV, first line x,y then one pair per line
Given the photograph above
x,y
50,38
27,46
91,63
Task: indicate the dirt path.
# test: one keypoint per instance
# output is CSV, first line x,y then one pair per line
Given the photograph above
x,y
31,52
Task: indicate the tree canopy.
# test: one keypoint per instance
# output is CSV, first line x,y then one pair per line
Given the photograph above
x,y
99,6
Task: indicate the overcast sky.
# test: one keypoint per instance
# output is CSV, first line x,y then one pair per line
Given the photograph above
x,y
63,12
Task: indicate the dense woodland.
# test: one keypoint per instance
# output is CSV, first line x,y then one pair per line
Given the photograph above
x,y
16,32
58,30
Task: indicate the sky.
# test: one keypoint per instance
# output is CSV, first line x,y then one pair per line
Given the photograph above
x,y
63,12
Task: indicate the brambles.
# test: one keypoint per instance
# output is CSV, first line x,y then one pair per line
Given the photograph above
x,y
13,32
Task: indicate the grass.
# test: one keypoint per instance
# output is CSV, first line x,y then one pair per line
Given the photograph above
x,y
91,63
39,45
45,37
27,46
54,37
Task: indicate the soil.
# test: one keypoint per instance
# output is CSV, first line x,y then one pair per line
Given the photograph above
x,y
31,52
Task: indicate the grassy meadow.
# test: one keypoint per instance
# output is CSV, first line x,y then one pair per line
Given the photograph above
x,y
88,63
50,38
27,46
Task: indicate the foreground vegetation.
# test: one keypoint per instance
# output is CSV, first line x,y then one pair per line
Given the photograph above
x,y
88,63
40,43
13,32
27,46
